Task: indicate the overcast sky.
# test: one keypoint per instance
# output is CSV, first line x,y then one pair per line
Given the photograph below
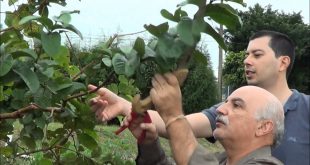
x,y
107,17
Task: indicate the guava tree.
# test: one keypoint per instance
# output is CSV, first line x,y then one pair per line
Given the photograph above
x,y
40,86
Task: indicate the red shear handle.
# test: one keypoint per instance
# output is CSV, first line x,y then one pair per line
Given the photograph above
x,y
134,115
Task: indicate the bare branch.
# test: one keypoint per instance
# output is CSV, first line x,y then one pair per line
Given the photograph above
x,y
21,112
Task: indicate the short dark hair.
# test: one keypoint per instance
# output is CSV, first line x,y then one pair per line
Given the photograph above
x,y
280,43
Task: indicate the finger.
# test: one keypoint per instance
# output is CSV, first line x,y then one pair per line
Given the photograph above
x,y
92,101
155,83
160,79
105,116
149,127
171,79
98,105
91,87
125,122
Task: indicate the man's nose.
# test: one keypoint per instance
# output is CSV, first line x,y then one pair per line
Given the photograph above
x,y
222,109
247,61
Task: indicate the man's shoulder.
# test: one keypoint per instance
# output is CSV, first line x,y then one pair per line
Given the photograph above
x,y
298,99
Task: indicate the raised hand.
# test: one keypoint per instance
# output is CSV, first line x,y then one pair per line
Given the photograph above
x,y
166,96
137,126
108,105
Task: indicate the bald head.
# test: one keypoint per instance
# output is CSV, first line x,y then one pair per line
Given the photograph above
x,y
265,107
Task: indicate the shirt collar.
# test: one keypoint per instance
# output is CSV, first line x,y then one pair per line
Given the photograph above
x,y
292,101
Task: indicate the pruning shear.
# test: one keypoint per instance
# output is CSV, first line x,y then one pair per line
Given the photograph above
x,y
139,108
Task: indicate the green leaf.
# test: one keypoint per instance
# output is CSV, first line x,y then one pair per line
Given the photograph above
x,y
198,27
11,2
96,152
6,151
238,1
218,38
40,122
37,133
6,63
29,77
113,87
87,141
27,119
28,19
166,14
223,14
118,62
107,61
44,161
51,43
149,52
29,142
69,158
73,70
132,64
184,29
46,22
59,84
48,72
157,30
62,57
139,46
43,97
64,18
25,52
74,30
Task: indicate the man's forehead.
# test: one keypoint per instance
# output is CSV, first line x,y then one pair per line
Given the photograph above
x,y
258,43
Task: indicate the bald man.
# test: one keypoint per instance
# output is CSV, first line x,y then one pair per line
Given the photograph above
x,y
249,123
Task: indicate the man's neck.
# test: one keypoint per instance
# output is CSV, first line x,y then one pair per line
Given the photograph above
x,y
236,152
280,89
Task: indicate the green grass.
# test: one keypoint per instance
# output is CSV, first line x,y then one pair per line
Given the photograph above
x,y
122,147
126,144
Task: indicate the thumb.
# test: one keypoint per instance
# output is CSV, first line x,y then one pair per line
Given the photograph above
x,y
91,87
149,127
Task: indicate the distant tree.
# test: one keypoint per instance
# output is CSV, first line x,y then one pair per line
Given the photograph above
x,y
259,18
200,88
233,71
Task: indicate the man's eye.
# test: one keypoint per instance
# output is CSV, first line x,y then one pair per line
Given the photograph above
x,y
257,55
236,105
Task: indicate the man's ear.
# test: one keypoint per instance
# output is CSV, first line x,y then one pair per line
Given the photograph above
x,y
284,62
264,127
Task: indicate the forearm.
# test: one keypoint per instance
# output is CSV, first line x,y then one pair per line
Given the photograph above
x,y
199,123
159,123
182,141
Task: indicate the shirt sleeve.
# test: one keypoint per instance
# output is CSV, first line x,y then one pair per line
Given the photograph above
x,y
152,154
211,115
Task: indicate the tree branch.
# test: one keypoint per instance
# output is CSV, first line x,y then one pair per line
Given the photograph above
x,y
20,113
91,91
55,145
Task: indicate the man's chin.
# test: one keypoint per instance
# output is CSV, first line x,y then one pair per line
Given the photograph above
x,y
217,134
251,82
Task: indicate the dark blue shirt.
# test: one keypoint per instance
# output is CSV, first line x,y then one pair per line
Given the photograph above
x,y
295,145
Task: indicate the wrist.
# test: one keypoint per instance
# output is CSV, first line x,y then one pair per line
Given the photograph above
x,y
170,121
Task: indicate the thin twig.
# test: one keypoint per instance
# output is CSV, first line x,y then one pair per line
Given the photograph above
x,y
55,145
82,70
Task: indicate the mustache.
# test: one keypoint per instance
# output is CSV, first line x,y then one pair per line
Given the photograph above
x,y
222,119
